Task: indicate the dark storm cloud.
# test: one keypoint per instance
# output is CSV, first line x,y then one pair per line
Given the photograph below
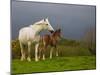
x,y
73,19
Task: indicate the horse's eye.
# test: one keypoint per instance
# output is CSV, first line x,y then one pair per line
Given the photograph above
x,y
46,24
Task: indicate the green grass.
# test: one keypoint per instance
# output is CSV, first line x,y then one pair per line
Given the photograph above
x,y
55,64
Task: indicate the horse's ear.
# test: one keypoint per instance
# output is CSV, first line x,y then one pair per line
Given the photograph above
x,y
47,18
44,19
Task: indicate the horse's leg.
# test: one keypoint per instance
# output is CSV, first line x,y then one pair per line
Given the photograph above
x,y
51,50
29,51
44,52
43,55
56,51
22,52
36,51
40,53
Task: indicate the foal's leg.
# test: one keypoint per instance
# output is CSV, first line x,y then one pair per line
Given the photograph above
x,y
36,51
56,51
44,53
29,51
51,50
22,52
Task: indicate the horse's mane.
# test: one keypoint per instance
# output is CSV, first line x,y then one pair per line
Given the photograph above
x,y
38,23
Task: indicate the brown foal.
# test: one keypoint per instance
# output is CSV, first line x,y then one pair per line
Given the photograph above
x,y
49,40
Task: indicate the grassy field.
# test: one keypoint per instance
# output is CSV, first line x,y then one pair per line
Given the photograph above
x,y
73,55
55,64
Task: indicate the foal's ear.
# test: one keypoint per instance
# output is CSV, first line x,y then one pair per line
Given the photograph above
x,y
59,30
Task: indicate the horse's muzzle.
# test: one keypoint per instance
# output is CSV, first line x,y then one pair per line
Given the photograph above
x,y
51,31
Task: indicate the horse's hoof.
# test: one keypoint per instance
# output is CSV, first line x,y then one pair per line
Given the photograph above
x,y
56,55
36,60
28,59
43,58
50,57
22,59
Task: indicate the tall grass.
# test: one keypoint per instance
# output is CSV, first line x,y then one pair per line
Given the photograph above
x,y
66,48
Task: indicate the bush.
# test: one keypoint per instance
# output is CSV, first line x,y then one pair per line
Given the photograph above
x,y
15,49
68,42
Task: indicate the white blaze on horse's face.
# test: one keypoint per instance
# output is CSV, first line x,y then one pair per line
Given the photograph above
x,y
48,25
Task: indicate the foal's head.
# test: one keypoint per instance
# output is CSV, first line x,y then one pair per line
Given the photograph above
x,y
57,34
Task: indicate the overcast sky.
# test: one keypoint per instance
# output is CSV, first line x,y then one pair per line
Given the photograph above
x,y
73,19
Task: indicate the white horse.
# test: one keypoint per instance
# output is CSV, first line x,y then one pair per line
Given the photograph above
x,y
30,34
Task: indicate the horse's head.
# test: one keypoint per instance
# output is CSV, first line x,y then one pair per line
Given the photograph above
x,y
48,26
44,25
